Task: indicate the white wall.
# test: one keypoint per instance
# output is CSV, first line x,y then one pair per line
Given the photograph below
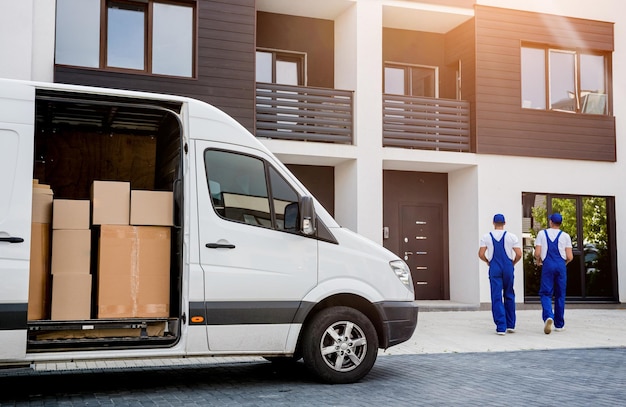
x,y
27,39
503,179
16,37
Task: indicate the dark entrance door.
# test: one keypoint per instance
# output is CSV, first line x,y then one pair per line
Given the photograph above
x,y
415,207
421,243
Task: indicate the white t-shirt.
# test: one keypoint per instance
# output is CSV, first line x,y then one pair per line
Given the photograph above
x,y
564,241
510,241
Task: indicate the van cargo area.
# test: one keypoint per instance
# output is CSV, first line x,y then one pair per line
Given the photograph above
x,y
101,165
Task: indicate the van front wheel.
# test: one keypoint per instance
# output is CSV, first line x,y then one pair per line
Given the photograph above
x,y
340,345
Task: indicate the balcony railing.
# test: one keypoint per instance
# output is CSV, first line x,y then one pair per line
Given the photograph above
x,y
304,113
426,123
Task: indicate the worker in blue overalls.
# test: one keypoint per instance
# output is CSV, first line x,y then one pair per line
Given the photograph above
x,y
553,250
501,251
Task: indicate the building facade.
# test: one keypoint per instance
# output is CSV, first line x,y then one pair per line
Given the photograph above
x,y
412,121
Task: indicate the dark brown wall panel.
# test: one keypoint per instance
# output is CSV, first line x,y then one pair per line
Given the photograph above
x,y
313,36
502,126
413,47
225,74
320,181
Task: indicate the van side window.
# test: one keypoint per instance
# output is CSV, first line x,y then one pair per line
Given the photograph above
x,y
285,201
245,189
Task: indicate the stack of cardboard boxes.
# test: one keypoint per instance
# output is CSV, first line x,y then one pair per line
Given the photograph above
x,y
71,260
38,291
133,250
112,252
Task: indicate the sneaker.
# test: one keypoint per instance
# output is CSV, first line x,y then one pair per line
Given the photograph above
x,y
547,328
510,330
560,329
500,333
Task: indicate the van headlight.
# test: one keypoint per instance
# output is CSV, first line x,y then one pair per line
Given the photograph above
x,y
402,272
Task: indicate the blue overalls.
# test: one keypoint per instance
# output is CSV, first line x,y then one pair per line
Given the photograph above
x,y
501,273
553,281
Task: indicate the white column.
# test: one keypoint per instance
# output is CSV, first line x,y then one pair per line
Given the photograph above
x,y
358,66
16,39
44,12
27,39
464,235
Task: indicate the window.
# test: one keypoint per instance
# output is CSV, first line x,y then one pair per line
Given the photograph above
x,y
281,67
576,81
78,16
245,189
411,80
590,222
145,36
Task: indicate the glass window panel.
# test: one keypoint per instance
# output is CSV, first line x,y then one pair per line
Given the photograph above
x,y
597,260
264,67
423,82
172,39
592,83
283,196
563,80
567,208
125,36
537,213
287,72
394,81
78,33
592,73
533,78
238,187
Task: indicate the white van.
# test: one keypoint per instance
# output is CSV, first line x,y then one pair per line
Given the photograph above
x,y
253,264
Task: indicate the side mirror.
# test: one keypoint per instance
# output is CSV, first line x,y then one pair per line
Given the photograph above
x,y
307,215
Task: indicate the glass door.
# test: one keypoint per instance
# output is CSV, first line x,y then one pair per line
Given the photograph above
x,y
589,220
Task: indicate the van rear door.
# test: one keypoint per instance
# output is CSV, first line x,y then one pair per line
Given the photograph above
x,y
17,113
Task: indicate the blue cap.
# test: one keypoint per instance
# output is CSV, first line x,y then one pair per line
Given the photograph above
x,y
556,218
498,218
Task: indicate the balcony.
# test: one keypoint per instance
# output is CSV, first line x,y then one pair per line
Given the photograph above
x,y
304,113
426,123
326,115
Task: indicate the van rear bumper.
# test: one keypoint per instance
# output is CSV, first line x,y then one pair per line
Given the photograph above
x,y
399,319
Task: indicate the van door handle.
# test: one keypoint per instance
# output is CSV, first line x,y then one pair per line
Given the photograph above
x,y
220,246
11,239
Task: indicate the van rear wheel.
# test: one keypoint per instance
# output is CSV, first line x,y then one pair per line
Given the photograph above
x,y
340,345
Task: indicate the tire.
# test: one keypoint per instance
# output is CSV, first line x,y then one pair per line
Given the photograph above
x,y
340,345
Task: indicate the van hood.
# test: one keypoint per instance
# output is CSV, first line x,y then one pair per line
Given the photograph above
x,y
354,241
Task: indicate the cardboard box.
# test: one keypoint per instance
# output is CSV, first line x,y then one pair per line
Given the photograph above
x,y
42,203
133,271
71,251
71,296
154,208
70,214
39,276
110,203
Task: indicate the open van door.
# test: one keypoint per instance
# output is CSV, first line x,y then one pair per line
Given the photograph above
x,y
17,115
